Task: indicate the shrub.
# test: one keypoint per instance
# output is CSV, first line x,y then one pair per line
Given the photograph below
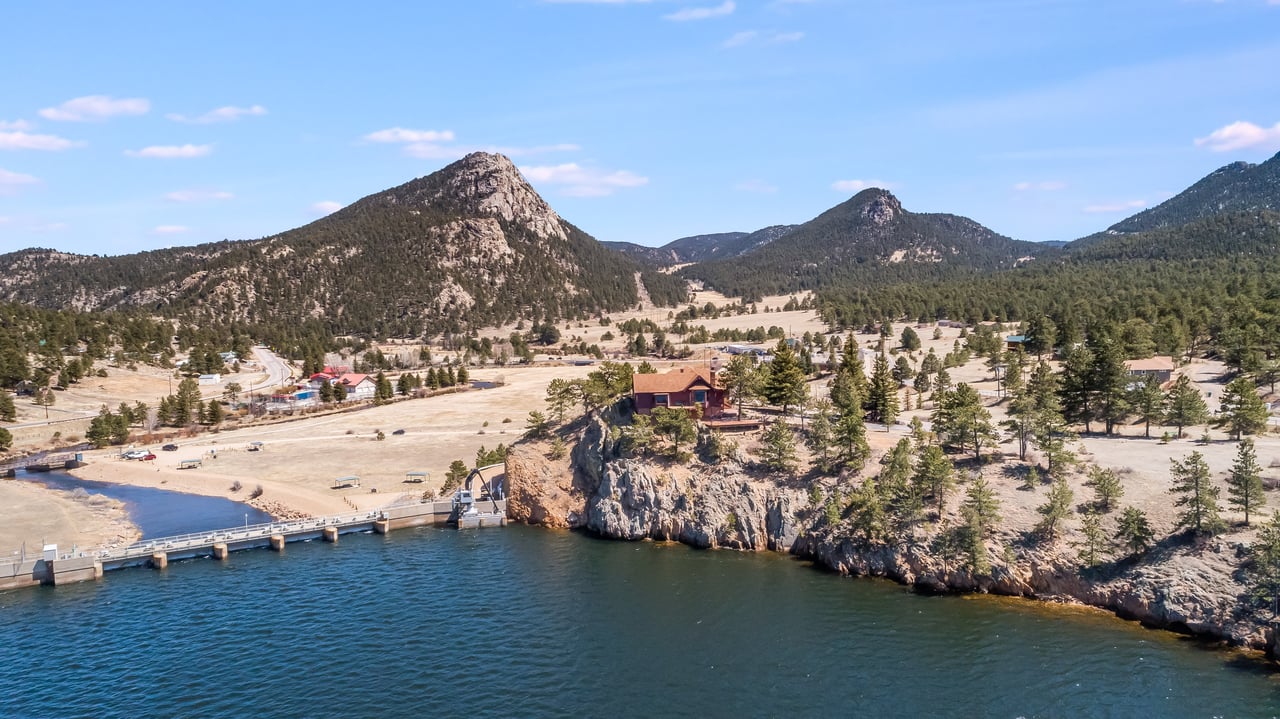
x,y
236,486
257,492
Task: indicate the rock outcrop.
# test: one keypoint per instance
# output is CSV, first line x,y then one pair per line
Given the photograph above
x,y
1183,585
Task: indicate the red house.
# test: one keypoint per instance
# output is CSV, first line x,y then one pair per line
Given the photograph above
x,y
683,387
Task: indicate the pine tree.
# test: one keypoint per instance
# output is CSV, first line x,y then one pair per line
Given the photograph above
x,y
1194,490
785,384
961,421
1093,541
1244,485
561,396
1133,531
869,510
1106,487
464,377
1056,509
536,426
980,505
1184,407
676,424
214,415
1074,387
820,437
1041,336
1108,380
1243,411
1264,570
1050,436
1147,400
739,379
883,392
933,476
778,448
8,412
910,340
851,437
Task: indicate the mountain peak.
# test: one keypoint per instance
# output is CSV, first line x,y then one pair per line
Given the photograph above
x,y
879,207
1237,187
481,183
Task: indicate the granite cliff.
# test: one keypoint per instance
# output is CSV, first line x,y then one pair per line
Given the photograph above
x,y
1184,585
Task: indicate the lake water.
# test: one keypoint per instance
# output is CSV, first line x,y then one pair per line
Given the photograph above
x,y
159,512
529,622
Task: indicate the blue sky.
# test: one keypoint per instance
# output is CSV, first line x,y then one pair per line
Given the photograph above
x,y
132,126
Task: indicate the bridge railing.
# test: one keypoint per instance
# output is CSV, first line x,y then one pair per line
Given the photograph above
x,y
233,534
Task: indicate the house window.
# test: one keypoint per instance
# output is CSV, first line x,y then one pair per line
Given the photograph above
x,y
660,400
699,396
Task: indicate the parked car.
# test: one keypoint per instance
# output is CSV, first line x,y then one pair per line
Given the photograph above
x,y
398,431
135,454
170,448
148,457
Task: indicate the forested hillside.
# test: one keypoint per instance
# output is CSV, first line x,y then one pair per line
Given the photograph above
x,y
869,240
1212,281
471,245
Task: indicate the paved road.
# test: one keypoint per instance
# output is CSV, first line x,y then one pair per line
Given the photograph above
x,y
278,371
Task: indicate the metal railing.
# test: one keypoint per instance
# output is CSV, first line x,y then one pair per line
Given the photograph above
x,y
197,540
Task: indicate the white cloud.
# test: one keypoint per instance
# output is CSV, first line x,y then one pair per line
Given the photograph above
x,y
754,37
15,125
25,141
702,13
595,2
11,181
1046,186
326,207
860,185
759,186
581,181
1240,135
1116,206
230,113
170,229
50,227
171,152
94,108
400,134
197,195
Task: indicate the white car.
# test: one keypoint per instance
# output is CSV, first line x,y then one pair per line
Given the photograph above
x,y
135,454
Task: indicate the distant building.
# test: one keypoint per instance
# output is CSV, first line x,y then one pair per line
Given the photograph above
x,y
1159,367
1013,343
683,387
208,379
358,386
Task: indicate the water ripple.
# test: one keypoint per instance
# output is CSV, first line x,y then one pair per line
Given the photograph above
x,y
535,623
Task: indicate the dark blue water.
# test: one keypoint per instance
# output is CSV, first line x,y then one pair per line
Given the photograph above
x,y
159,512
529,622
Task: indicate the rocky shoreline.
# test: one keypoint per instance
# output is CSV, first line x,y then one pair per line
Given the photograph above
x,y
1183,585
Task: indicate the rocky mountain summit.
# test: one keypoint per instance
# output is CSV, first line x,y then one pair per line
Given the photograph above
x,y
869,239
470,245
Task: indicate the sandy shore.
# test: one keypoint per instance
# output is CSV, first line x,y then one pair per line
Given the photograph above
x,y
35,515
298,462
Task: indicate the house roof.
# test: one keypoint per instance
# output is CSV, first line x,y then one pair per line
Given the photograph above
x,y
677,380
1016,338
321,376
1151,364
352,379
